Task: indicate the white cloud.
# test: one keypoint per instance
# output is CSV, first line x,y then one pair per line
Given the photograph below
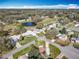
x,y
59,6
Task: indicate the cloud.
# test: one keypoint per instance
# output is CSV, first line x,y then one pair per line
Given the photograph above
x,y
59,6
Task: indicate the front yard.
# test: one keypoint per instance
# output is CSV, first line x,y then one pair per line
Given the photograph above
x,y
22,52
54,51
27,39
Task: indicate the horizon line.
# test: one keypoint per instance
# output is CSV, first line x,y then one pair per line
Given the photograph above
x,y
58,6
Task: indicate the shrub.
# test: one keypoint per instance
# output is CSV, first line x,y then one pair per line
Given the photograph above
x,y
76,45
39,25
64,57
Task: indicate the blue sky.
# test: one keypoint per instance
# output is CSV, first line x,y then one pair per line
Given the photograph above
x,y
38,3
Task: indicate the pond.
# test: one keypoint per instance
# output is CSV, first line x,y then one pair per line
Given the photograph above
x,y
29,24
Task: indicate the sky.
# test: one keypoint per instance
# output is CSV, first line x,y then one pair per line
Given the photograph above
x,y
39,4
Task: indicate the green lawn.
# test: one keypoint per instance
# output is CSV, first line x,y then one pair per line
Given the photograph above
x,y
54,51
40,42
27,39
22,52
40,34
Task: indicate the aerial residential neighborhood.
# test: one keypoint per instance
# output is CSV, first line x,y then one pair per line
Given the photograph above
x,y
41,37
48,30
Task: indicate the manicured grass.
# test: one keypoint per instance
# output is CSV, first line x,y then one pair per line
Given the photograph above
x,y
27,39
54,51
40,42
22,52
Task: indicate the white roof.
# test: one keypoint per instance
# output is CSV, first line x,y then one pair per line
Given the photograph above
x,y
76,25
59,35
15,37
29,33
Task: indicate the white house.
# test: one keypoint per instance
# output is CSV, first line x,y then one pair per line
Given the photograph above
x,y
29,33
75,39
69,32
62,36
15,37
20,21
77,25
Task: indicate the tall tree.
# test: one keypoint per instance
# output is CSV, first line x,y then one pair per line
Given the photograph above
x,y
40,25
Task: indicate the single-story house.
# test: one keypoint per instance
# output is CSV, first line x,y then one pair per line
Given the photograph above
x,y
69,32
20,21
29,33
15,37
75,29
62,36
76,25
75,39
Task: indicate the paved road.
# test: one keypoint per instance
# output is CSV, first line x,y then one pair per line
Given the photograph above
x,y
18,49
69,51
